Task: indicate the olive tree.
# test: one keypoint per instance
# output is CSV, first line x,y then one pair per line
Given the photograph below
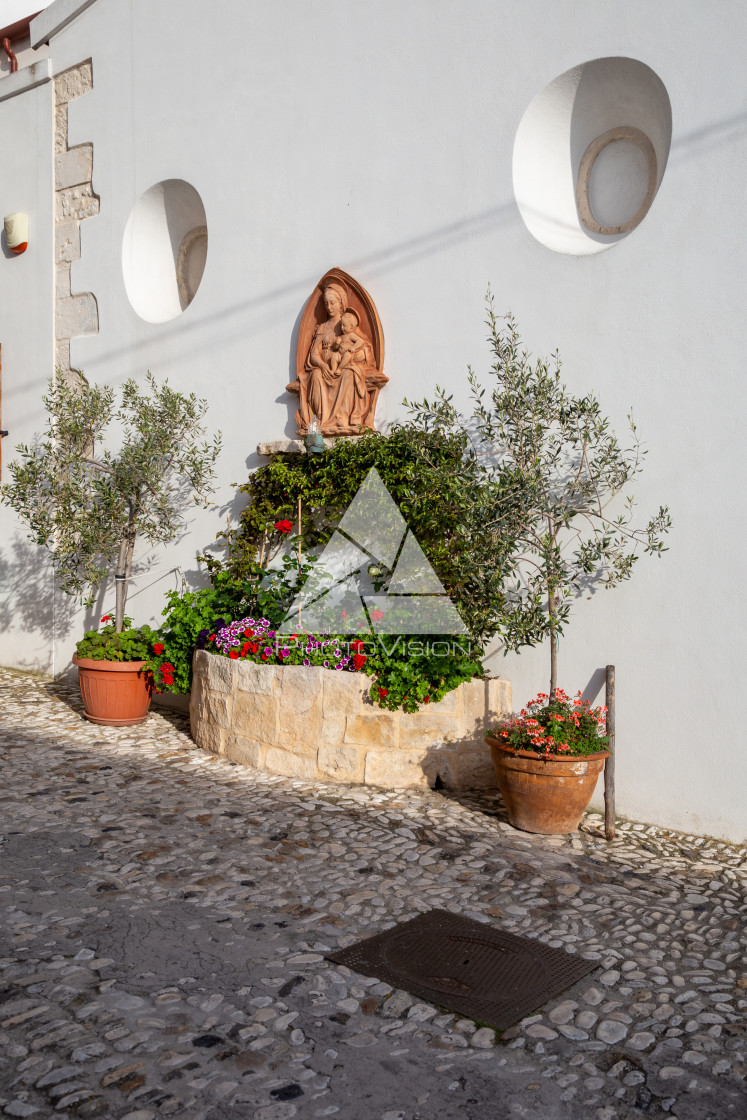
x,y
89,510
559,477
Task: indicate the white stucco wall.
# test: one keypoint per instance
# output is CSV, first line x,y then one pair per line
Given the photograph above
x,y
27,603
379,138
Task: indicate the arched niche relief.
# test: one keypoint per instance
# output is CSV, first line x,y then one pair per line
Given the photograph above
x,y
339,358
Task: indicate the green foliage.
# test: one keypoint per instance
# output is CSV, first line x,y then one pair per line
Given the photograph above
x,y
127,644
89,512
553,467
443,493
408,672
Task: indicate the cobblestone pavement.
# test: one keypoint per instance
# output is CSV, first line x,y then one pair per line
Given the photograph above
x,y
165,915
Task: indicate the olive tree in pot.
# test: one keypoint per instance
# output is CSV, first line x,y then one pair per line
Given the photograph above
x,y
90,511
556,459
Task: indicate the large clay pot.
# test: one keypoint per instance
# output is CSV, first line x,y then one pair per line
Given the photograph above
x,y
116,693
546,795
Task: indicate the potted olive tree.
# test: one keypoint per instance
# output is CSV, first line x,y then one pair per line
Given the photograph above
x,y
559,468
89,511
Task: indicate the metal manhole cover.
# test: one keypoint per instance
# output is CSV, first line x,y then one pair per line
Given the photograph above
x,y
471,968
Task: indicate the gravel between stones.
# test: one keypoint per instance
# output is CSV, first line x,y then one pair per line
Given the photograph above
x,y
165,915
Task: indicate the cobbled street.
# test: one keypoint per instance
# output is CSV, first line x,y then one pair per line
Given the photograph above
x,y
165,915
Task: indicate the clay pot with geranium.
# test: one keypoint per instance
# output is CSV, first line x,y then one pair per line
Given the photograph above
x,y
547,761
89,511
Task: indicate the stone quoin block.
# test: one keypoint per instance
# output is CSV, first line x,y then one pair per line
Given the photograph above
x,y
76,315
73,167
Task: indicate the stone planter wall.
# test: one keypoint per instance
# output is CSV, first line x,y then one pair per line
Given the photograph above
x,y
320,724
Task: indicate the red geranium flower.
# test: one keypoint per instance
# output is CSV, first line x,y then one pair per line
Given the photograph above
x,y
359,661
383,691
234,654
106,618
427,700
158,648
357,645
284,526
377,615
167,667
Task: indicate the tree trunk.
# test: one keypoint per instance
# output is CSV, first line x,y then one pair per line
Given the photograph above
x,y
119,587
124,570
553,645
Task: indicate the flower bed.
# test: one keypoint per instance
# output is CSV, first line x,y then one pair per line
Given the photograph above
x,y
315,723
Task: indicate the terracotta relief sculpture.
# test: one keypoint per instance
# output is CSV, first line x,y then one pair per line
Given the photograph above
x,y
339,358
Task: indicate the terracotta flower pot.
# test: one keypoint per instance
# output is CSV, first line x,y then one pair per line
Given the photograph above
x,y
116,693
546,795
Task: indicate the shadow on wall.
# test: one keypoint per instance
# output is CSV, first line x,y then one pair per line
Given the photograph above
x,y
27,602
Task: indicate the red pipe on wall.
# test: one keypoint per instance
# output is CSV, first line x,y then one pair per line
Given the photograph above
x,y
11,56
10,34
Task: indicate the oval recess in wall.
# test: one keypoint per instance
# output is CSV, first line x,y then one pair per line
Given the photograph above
x,y
164,250
590,153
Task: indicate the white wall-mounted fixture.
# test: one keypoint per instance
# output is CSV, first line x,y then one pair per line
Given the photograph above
x,y
17,232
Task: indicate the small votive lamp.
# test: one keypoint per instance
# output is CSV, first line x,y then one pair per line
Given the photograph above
x,y
17,232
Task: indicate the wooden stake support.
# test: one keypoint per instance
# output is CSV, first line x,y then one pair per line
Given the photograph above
x,y
609,765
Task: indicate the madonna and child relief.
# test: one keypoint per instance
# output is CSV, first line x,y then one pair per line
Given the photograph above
x,y
339,358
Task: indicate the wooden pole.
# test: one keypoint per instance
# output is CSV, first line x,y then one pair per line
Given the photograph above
x,y
299,563
609,764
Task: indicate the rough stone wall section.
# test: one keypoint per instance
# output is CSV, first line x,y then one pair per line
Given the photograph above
x,y
75,314
319,724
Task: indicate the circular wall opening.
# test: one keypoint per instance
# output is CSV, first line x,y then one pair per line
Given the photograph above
x,y
164,250
590,153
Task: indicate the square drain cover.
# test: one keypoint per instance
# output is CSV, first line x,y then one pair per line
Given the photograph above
x,y
473,969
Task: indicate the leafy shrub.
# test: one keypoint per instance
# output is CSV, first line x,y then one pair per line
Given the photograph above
x,y
124,645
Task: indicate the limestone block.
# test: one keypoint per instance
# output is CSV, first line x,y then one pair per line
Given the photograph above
x,y
289,764
256,678
76,202
207,735
60,127
221,671
345,693
341,763
73,83
73,167
255,716
333,731
67,242
426,729
62,354
76,315
396,769
247,752
198,693
450,704
475,701
445,763
217,708
500,699
372,731
474,769
62,282
300,708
